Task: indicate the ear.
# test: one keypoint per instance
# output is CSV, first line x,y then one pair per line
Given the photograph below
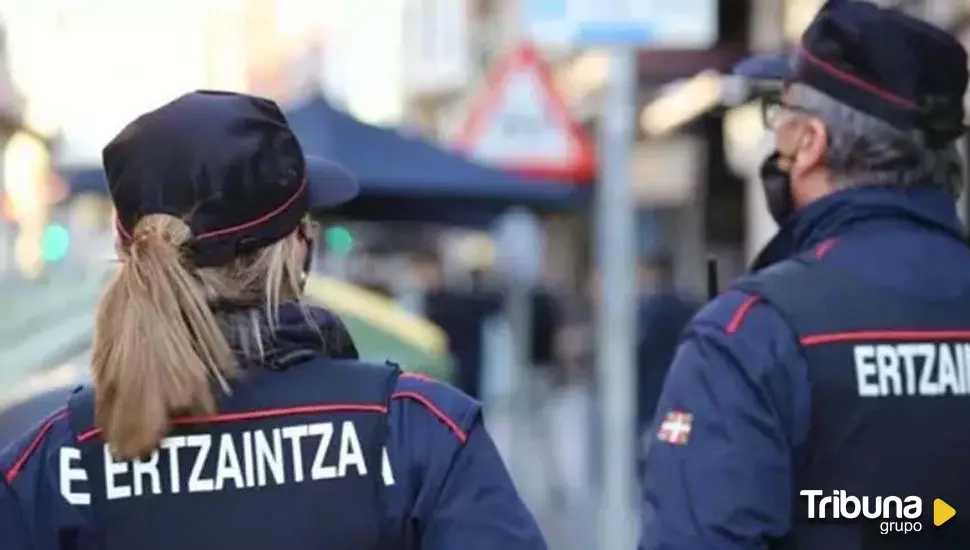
x,y
812,145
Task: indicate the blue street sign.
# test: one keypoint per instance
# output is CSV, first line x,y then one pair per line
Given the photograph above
x,y
536,11
571,23
610,34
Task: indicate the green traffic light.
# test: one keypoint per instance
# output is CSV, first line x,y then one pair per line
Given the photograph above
x,y
339,239
55,242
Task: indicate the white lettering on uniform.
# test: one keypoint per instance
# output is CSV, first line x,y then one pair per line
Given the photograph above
x,y
141,469
252,459
71,472
295,434
948,381
172,445
268,457
227,465
248,463
325,431
112,470
197,483
386,471
350,451
912,369
865,370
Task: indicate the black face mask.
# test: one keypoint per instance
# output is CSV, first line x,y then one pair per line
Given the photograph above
x,y
777,186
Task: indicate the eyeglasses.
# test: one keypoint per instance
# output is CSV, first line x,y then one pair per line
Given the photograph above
x,y
774,111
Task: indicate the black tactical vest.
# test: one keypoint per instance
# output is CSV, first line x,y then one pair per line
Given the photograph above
x,y
293,460
890,404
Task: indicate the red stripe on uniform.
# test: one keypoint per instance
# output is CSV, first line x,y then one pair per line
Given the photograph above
x,y
824,247
434,410
258,415
884,336
735,323
45,429
308,409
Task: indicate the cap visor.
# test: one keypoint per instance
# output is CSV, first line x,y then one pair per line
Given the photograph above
x,y
330,184
773,66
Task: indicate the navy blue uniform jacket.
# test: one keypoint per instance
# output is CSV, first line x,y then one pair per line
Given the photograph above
x,y
449,480
740,372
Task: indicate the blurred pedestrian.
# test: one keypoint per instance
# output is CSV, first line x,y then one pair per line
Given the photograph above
x,y
663,312
226,413
461,315
837,367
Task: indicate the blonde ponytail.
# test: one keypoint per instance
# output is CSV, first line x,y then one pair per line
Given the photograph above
x,y
158,346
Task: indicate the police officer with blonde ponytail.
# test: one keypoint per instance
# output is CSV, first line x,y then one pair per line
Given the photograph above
x,y
224,412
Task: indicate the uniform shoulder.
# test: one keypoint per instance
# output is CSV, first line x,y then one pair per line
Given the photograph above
x,y
449,406
22,452
728,311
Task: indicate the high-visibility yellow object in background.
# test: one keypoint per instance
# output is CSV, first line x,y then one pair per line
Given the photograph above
x,y
382,329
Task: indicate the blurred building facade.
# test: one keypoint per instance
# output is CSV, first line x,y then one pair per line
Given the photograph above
x,y
87,68
451,45
27,184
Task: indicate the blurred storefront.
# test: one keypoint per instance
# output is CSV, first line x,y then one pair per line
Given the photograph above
x,y
28,186
673,164
79,88
446,48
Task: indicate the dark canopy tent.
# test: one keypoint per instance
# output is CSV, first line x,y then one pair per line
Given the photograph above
x,y
84,179
405,178
402,178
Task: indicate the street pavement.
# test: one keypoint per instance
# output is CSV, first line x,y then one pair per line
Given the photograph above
x,y
552,465
43,323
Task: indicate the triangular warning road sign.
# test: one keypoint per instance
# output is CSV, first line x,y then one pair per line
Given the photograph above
x,y
522,124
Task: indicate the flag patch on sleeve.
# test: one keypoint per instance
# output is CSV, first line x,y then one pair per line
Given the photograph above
x,y
676,427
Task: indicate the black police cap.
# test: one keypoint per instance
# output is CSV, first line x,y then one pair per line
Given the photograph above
x,y
228,165
879,61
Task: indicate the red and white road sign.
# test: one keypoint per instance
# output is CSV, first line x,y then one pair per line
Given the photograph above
x,y
521,123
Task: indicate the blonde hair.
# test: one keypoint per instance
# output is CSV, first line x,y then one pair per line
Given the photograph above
x,y
158,344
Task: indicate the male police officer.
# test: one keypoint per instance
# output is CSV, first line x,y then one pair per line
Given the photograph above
x,y
835,383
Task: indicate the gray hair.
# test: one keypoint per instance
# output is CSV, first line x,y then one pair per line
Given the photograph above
x,y
864,150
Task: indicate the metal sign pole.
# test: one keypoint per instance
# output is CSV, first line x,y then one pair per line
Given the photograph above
x,y
519,311
519,260
616,253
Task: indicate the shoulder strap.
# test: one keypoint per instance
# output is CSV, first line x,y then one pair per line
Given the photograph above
x,y
804,292
776,279
789,287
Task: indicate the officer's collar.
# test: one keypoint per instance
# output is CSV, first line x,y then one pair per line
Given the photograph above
x,y
304,332
314,327
833,215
